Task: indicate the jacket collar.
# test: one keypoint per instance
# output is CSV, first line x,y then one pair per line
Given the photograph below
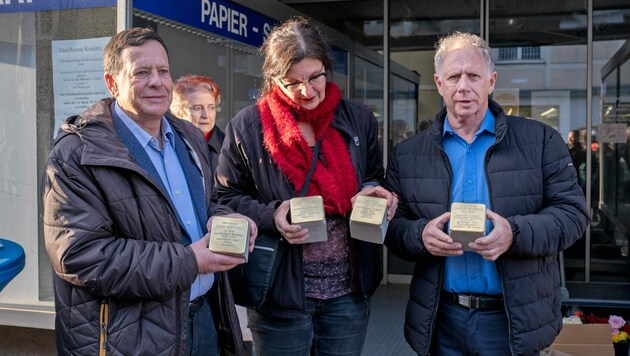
x,y
216,139
101,143
95,128
500,123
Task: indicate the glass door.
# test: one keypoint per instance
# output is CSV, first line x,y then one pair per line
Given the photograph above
x,y
613,157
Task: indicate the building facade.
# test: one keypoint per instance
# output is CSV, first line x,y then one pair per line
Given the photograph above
x,y
564,63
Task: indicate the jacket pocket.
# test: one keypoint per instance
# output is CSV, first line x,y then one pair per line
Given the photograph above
x,y
251,281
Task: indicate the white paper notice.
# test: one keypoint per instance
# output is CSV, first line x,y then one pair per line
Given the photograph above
x,y
612,133
77,76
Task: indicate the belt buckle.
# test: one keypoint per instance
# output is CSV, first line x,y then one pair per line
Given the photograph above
x,y
465,300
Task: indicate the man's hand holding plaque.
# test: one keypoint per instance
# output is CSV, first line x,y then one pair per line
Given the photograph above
x,y
467,223
230,236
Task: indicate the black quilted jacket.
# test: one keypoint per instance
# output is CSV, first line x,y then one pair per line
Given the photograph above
x,y
532,184
114,240
248,181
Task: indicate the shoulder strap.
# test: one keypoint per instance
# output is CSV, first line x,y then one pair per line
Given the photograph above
x,y
309,175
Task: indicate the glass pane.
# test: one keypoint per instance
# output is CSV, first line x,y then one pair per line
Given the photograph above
x,y
541,64
403,95
530,53
368,88
610,226
245,79
340,69
234,66
611,235
18,176
37,81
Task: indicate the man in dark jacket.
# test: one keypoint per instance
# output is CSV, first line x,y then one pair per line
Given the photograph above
x,y
502,296
126,196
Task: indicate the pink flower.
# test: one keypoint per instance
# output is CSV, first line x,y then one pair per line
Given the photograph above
x,y
616,322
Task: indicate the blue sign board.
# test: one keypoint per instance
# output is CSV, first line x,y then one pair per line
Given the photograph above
x,y
221,17
46,5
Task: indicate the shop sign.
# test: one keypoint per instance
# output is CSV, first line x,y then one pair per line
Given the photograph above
x,y
47,5
220,17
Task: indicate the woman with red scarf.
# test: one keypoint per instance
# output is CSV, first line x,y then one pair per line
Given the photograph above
x,y
318,301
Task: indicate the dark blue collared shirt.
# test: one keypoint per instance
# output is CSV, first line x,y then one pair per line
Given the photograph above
x,y
470,273
169,168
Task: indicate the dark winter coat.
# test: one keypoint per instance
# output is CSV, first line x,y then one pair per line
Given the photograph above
x,y
214,145
532,184
248,181
115,244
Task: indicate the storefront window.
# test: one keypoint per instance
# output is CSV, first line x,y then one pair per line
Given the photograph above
x,y
403,95
541,74
368,88
340,69
50,63
234,66
612,157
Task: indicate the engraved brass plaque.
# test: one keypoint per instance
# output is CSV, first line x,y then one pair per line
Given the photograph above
x,y
468,222
307,209
229,236
308,212
369,210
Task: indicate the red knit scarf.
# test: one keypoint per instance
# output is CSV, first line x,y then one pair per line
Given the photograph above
x,y
335,180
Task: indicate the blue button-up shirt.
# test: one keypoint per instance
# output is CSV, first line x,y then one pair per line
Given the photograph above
x,y
470,273
167,164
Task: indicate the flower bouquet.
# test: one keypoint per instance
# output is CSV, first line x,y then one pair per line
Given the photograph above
x,y
620,329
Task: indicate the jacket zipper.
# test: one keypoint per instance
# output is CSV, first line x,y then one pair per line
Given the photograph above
x,y
441,272
103,321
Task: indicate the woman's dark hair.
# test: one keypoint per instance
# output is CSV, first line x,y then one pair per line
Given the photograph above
x,y
289,43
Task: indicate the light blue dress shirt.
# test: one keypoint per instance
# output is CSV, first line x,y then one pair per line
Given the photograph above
x,y
470,273
167,164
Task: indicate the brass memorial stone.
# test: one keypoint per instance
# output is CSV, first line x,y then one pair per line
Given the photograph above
x,y
230,236
468,222
308,212
368,221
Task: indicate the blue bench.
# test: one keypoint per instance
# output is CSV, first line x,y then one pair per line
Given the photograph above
x,y
12,260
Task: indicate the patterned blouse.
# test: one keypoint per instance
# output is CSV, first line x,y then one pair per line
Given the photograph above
x,y
330,267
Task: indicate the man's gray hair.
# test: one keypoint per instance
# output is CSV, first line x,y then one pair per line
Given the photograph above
x,y
446,43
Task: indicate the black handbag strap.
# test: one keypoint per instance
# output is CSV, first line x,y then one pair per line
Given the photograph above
x,y
309,175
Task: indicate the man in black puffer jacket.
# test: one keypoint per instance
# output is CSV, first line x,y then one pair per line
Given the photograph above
x,y
503,296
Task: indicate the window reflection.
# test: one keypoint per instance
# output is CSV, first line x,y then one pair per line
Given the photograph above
x,y
368,88
403,107
613,159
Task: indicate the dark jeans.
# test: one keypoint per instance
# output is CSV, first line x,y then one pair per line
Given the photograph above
x,y
463,331
330,327
202,334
